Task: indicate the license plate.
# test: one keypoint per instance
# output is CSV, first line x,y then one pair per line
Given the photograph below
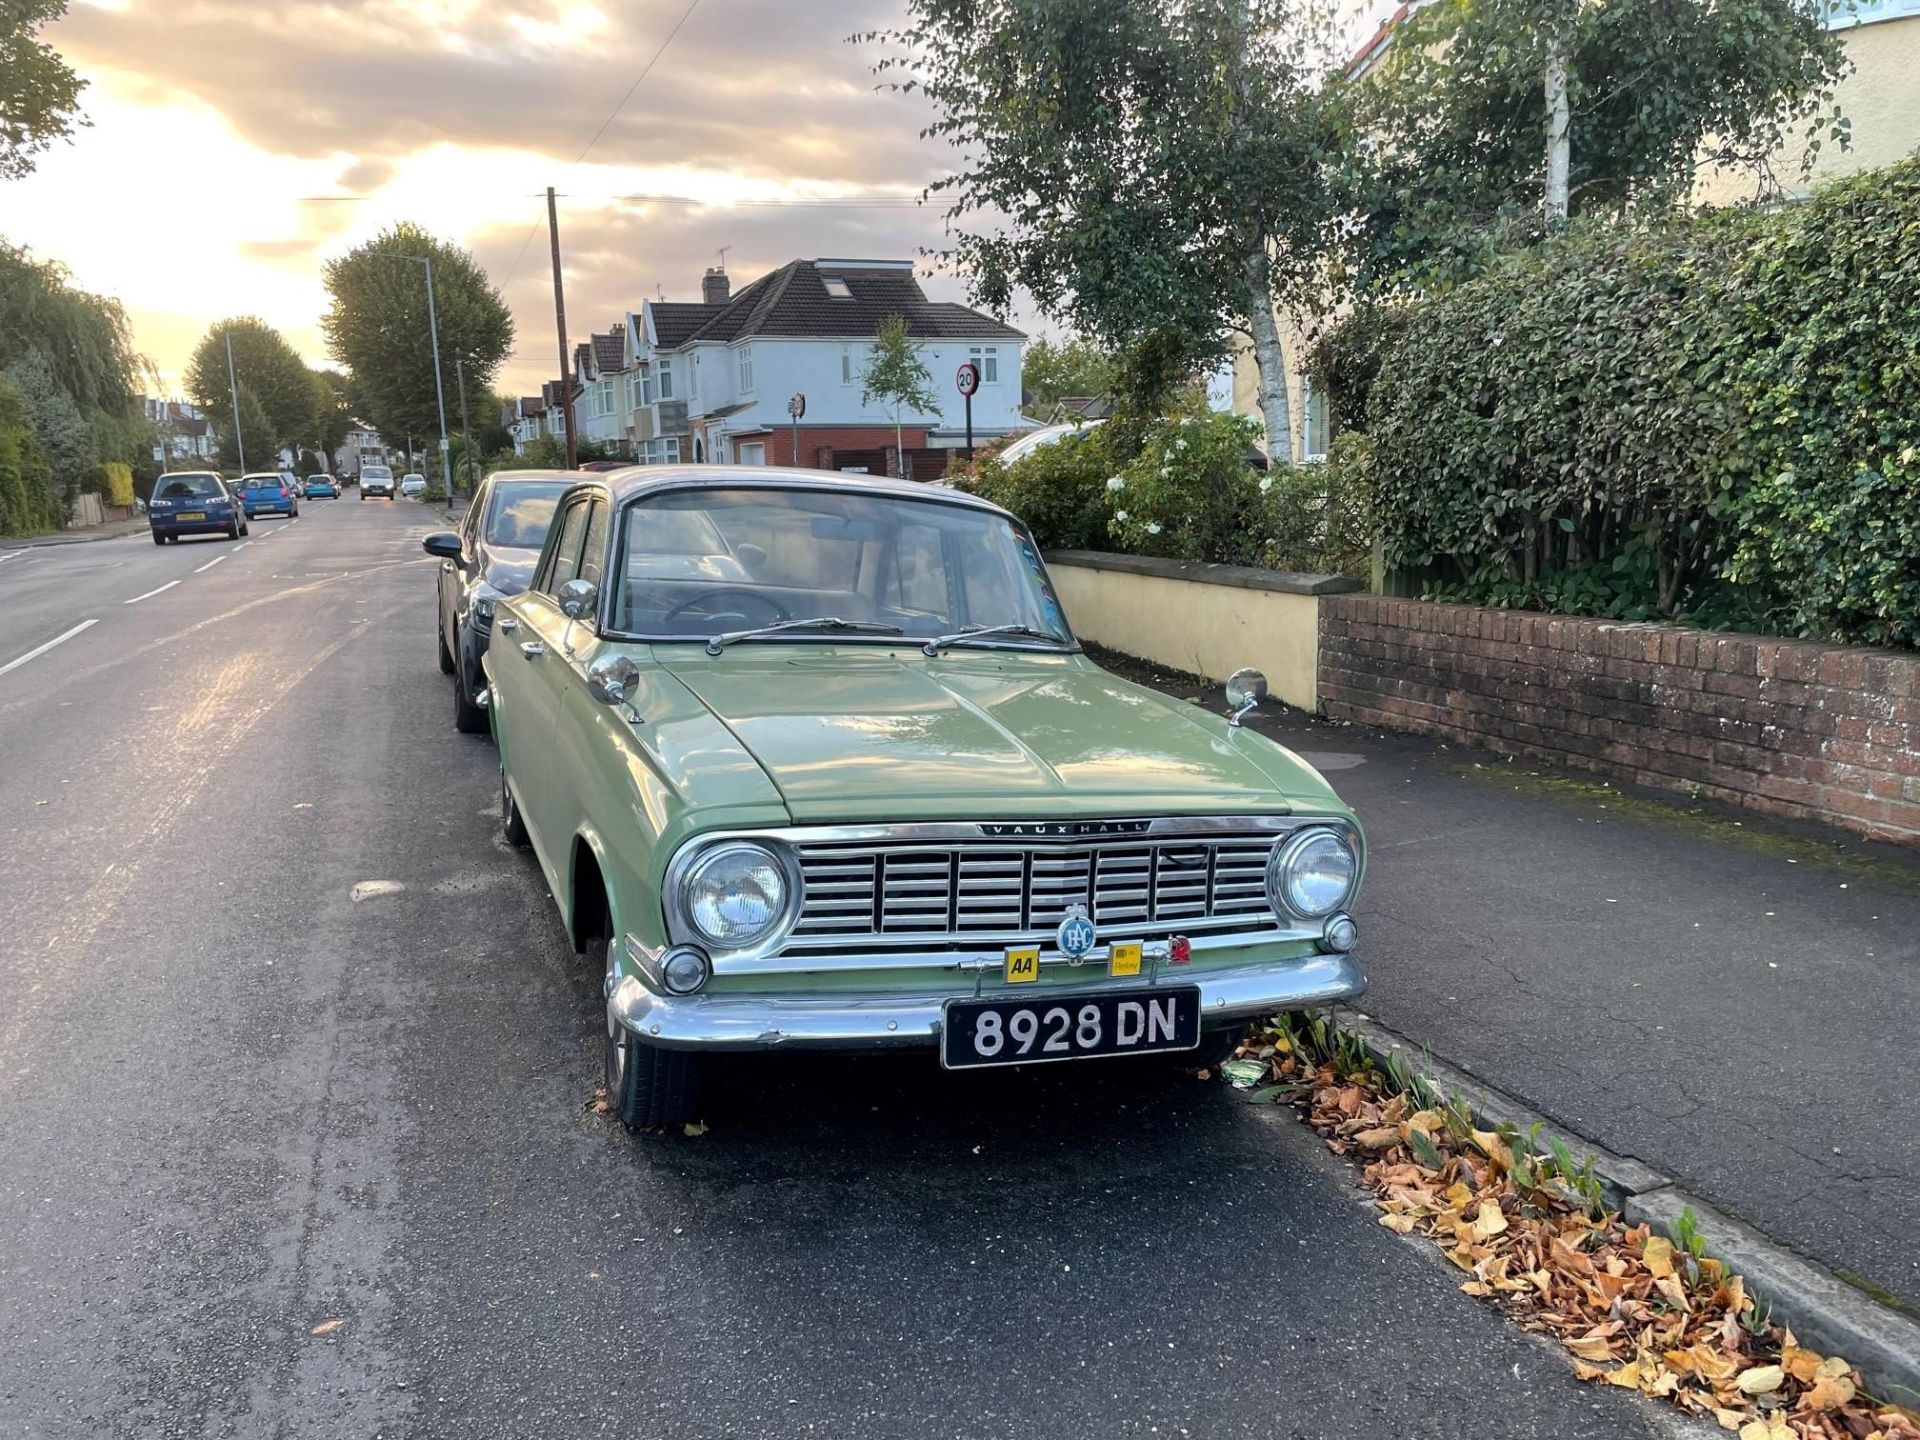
x,y
191,515
1031,1031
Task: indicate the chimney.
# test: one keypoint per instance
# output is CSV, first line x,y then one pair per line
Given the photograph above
x,y
714,288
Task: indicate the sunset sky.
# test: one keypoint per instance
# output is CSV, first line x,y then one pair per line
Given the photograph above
x,y
228,137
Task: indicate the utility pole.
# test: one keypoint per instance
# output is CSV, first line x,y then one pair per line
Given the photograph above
x,y
560,324
466,435
233,389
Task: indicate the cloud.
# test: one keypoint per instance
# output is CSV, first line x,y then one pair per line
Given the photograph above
x,y
761,88
365,175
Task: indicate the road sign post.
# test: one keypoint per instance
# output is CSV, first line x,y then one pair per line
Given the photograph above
x,y
967,379
796,407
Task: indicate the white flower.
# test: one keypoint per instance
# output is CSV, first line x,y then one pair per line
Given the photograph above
x,y
1266,483
1153,527
1179,445
1120,515
1116,484
1166,472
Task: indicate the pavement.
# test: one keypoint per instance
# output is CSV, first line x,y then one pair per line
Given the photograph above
x,y
297,1137
108,530
1730,999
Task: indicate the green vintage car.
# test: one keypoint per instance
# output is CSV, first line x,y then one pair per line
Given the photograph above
x,y
814,760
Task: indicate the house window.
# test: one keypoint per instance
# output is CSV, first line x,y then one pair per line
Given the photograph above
x,y
603,398
987,357
1314,439
754,453
670,447
666,379
836,287
746,369
846,365
646,387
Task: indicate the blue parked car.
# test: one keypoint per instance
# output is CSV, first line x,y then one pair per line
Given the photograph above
x,y
267,493
194,502
322,487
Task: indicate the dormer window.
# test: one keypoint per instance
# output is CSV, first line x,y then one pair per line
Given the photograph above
x,y
836,287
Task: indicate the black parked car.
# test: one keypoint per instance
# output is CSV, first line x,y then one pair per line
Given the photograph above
x,y
491,557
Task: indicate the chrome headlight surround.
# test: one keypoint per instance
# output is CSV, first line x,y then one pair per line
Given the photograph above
x,y
696,861
1300,855
482,601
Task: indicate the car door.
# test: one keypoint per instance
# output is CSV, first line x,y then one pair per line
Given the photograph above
x,y
534,656
457,576
577,715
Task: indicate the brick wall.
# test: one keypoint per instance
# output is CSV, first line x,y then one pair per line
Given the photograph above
x,y
1790,727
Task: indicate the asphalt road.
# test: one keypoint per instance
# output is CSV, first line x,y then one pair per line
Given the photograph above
x,y
296,1135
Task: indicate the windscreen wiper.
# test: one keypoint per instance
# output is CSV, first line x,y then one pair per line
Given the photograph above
x,y
819,622
987,632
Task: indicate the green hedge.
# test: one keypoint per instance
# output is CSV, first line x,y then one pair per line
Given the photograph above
x,y
29,500
1716,418
1181,487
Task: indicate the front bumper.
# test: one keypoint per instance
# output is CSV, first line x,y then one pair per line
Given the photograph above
x,y
852,1021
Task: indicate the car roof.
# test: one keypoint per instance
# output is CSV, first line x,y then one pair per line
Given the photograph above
x,y
640,480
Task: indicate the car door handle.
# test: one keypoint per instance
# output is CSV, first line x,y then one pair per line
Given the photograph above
x,y
533,649
509,625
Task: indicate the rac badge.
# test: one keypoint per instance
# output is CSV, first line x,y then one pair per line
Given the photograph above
x,y
1075,936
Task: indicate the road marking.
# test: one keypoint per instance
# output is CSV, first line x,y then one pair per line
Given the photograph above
x,y
6,555
294,521
57,640
242,545
151,593
209,565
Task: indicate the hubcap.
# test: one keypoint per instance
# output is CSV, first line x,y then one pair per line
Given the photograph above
x,y
618,1042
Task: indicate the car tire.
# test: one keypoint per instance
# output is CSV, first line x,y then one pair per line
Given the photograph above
x,y
646,1085
512,827
446,655
468,718
1216,1047
233,530
159,539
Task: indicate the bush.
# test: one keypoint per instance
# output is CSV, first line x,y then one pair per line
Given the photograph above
x,y
1716,418
1058,489
1190,494
29,500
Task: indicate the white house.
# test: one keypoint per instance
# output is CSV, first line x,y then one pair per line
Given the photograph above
x,y
716,377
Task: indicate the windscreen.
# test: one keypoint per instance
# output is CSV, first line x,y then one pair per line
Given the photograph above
x,y
375,472
521,513
701,562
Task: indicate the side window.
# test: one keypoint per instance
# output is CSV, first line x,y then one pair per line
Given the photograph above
x,y
593,556
470,526
921,558
564,563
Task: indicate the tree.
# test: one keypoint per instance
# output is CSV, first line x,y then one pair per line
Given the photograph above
x,y
255,429
1499,119
59,424
39,93
28,500
333,413
1143,165
266,366
896,376
82,338
377,325
1052,370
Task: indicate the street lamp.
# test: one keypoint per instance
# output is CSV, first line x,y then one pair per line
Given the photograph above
x,y
433,332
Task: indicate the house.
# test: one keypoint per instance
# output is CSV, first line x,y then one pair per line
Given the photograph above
x,y
181,430
363,446
716,376
1880,98
523,419
606,371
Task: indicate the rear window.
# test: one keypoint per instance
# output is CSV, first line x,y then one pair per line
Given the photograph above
x,y
319,479
521,513
188,487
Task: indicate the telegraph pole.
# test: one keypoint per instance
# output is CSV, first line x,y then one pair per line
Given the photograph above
x,y
560,324
233,389
466,436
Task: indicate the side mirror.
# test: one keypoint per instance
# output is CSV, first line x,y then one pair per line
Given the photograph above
x,y
576,599
1246,688
611,679
446,545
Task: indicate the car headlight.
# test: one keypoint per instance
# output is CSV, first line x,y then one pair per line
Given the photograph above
x,y
1313,873
483,608
738,895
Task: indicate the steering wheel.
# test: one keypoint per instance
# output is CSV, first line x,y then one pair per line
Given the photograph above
x,y
780,612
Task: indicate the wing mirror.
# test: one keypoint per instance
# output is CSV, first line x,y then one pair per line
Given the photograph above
x,y
1246,688
576,599
446,545
611,679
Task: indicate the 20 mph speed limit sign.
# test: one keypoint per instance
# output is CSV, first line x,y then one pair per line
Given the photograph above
x,y
967,377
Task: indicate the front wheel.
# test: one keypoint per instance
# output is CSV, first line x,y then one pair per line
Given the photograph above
x,y
468,718
646,1085
446,655
158,538
511,825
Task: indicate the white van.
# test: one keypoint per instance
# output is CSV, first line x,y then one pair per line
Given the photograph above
x,y
376,480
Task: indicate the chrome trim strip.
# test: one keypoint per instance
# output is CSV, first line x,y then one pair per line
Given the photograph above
x,y
976,958
758,1022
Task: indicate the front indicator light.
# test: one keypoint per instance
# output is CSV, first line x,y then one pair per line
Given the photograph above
x,y
1340,935
684,970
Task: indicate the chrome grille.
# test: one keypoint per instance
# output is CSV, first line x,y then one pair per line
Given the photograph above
x,y
905,894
